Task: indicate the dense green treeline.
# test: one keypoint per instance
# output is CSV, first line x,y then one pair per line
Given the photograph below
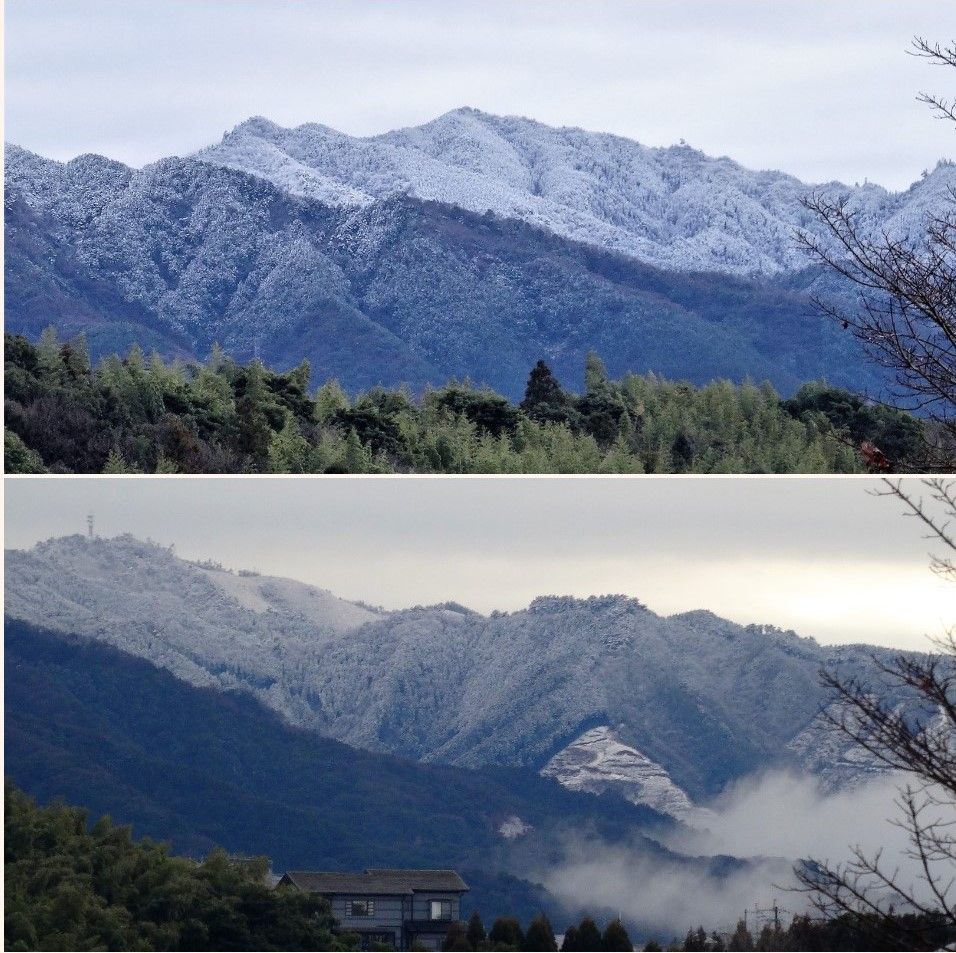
x,y
506,934
72,886
906,931
149,416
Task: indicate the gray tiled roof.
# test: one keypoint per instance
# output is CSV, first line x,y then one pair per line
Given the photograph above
x,y
377,881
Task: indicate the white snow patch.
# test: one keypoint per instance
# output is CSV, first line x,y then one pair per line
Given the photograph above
x,y
598,761
241,588
511,828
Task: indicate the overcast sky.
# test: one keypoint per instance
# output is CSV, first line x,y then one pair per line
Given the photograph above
x,y
817,555
820,88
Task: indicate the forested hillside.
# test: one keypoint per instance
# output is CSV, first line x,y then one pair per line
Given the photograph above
x,y
74,884
146,415
201,768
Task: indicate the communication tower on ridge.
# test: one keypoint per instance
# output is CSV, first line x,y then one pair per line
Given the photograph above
x,y
89,526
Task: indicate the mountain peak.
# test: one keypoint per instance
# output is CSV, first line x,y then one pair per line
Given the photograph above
x,y
81,542
465,112
559,604
675,207
256,126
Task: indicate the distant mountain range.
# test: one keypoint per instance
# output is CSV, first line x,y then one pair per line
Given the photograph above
x,y
602,694
471,247
199,768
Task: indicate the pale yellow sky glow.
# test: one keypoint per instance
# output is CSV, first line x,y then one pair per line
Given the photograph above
x,y
882,603
821,556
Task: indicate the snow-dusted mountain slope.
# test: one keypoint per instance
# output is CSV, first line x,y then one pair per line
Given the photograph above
x,y
309,244
702,700
207,627
673,207
598,761
826,754
183,253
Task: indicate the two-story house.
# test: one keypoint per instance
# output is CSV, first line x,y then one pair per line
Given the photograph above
x,y
398,907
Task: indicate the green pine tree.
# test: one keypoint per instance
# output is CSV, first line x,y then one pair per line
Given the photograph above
x,y
48,353
615,937
116,464
595,376
329,400
289,451
476,930
18,457
589,936
741,939
506,932
357,458
456,938
540,936
544,397
570,941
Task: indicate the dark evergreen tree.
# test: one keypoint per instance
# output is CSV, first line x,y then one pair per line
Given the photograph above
x,y
476,930
570,941
615,937
540,936
589,936
457,938
696,940
741,939
507,932
897,434
485,409
300,376
544,397
255,433
682,450
770,938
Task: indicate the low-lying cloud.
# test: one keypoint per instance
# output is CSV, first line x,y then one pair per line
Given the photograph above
x,y
665,896
783,814
771,820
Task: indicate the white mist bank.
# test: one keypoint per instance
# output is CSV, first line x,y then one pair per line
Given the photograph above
x,y
782,814
773,820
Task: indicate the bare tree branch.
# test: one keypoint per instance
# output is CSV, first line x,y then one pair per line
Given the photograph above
x,y
907,720
905,315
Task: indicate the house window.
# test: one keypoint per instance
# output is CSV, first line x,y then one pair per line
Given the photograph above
x,y
360,908
441,910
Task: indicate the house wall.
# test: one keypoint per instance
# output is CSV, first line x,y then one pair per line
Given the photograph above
x,y
388,918
392,913
422,905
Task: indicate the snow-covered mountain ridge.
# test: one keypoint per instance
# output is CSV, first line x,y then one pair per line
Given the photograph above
x,y
184,253
694,701
673,207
